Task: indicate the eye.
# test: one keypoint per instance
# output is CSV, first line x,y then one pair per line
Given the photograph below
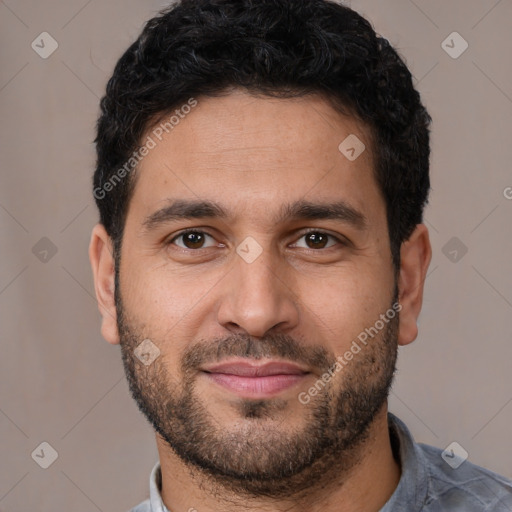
x,y
318,240
191,239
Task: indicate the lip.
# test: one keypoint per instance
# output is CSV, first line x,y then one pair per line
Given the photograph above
x,y
255,379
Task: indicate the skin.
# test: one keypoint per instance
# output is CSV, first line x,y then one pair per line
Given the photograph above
x,y
253,155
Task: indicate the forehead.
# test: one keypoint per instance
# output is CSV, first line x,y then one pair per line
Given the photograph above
x,y
256,154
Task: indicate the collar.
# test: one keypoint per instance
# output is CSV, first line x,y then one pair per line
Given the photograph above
x,y
155,489
413,488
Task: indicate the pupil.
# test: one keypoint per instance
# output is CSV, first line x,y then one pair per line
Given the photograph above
x,y
316,238
190,238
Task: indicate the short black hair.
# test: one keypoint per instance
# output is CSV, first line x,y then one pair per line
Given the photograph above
x,y
275,48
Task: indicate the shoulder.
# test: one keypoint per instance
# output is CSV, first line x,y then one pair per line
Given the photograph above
x,y
468,486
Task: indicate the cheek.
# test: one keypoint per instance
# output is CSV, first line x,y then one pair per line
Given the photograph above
x,y
166,303
343,306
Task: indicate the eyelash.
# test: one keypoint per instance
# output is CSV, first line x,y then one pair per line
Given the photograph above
x,y
194,230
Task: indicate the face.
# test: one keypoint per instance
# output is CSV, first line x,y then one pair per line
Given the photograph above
x,y
256,290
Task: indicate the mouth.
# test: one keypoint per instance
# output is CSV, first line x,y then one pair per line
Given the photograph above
x,y
255,379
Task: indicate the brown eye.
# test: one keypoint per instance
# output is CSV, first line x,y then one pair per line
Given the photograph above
x,y
191,239
318,240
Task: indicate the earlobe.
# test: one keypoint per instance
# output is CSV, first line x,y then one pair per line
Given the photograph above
x,y
415,256
102,263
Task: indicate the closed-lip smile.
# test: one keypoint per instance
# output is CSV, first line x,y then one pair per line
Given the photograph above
x,y
255,379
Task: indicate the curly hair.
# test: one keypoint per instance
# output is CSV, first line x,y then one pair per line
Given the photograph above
x,y
275,48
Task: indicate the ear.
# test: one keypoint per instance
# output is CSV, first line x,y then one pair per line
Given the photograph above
x,y
102,263
415,256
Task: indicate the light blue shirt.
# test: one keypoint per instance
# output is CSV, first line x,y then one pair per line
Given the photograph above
x,y
428,483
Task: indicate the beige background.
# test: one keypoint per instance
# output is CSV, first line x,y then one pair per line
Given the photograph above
x,y
61,383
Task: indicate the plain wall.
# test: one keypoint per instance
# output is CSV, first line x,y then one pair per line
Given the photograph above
x,y
61,383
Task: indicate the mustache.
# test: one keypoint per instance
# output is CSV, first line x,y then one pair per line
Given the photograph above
x,y
278,346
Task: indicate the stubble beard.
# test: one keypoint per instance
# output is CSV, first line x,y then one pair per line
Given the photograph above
x,y
260,456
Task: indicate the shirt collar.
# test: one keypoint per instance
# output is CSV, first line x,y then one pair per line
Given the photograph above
x,y
410,494
413,487
155,489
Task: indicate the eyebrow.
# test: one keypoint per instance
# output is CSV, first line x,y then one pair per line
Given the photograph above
x,y
184,209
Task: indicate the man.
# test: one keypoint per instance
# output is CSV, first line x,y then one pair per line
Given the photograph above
x,y
261,177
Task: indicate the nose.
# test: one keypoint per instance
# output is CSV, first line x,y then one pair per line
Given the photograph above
x,y
258,297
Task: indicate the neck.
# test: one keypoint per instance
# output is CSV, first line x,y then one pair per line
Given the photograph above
x,y
367,486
